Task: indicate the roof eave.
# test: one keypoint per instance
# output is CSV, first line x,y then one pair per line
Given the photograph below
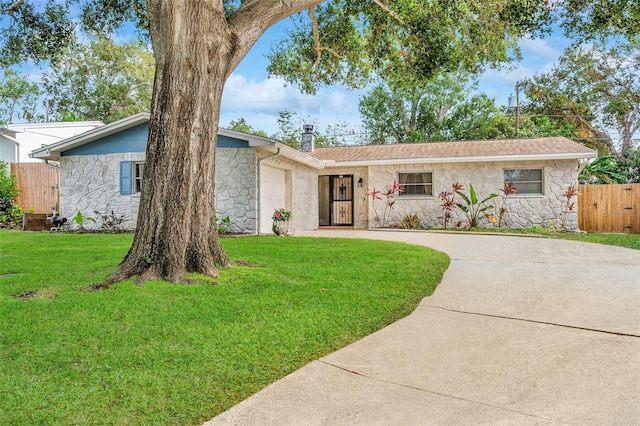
x,y
476,159
298,156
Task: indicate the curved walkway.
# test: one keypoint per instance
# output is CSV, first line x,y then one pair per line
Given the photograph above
x,y
521,331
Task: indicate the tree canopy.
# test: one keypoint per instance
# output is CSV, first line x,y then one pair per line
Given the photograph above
x,y
594,90
100,81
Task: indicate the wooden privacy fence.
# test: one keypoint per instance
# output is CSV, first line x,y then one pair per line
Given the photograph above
x,y
609,208
39,185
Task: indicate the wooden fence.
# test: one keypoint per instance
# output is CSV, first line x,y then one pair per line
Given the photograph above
x,y
609,208
39,185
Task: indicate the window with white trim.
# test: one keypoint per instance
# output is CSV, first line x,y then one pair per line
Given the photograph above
x,y
416,183
138,173
527,181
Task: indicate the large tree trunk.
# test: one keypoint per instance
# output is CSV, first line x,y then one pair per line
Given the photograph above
x,y
176,227
196,48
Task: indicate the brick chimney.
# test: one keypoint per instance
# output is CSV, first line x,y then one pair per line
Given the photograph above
x,y
308,138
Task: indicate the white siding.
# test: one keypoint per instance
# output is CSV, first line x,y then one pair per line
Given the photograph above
x,y
272,195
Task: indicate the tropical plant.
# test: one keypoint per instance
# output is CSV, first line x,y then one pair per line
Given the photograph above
x,y
81,220
570,203
448,203
222,223
411,221
474,209
507,189
604,170
390,196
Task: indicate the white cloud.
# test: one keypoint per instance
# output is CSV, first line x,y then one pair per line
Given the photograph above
x,y
260,102
268,96
541,49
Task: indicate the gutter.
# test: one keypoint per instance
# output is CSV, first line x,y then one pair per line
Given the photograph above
x,y
258,194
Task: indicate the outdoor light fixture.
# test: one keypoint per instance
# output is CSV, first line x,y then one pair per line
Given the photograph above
x,y
360,183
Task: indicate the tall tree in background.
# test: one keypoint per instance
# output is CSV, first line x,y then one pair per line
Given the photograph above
x,y
594,90
289,131
437,110
241,125
18,98
198,43
100,81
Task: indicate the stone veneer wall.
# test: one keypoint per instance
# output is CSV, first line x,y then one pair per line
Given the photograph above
x,y
236,192
92,182
524,211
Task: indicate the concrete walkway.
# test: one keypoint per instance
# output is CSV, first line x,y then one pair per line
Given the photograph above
x,y
521,331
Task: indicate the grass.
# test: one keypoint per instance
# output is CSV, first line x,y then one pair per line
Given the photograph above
x,y
177,354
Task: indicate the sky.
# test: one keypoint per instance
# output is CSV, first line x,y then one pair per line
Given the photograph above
x,y
252,95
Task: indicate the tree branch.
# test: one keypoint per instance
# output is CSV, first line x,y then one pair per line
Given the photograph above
x,y
317,46
389,11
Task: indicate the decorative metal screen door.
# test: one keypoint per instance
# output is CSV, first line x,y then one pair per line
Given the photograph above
x,y
336,200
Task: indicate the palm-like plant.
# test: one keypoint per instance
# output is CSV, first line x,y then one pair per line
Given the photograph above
x,y
473,209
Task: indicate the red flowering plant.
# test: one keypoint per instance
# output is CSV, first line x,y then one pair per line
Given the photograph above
x,y
570,203
282,215
449,203
509,188
390,196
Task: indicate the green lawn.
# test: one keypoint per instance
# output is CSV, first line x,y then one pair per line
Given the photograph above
x,y
165,354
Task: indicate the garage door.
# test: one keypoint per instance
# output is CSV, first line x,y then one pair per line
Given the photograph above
x,y
272,195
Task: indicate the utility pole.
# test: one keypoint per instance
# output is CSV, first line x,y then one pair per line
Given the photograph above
x,y
517,107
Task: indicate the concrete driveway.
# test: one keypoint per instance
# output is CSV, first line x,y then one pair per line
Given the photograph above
x,y
521,331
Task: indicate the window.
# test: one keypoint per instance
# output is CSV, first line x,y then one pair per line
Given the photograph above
x,y
138,172
131,177
527,181
417,183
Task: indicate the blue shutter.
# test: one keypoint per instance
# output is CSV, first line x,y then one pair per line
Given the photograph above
x,y
125,177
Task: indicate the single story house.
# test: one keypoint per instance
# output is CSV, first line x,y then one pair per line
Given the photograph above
x,y
102,170
18,140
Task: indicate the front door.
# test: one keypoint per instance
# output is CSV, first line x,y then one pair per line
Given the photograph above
x,y
336,200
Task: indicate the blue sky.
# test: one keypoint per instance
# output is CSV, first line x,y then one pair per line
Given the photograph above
x,y
250,94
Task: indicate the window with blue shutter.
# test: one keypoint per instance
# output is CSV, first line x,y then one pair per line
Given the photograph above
x,y
125,177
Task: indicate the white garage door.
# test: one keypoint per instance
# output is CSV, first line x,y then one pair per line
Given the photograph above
x,y
272,195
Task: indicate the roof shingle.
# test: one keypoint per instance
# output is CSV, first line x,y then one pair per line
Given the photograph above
x,y
462,149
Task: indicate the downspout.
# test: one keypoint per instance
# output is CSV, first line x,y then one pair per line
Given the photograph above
x,y
259,204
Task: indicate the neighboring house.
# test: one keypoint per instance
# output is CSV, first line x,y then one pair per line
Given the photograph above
x,y
102,170
18,140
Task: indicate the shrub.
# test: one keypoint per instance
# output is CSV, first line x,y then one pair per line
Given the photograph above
x,y
411,222
8,188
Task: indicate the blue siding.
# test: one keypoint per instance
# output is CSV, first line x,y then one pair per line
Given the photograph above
x,y
135,140
227,142
129,140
